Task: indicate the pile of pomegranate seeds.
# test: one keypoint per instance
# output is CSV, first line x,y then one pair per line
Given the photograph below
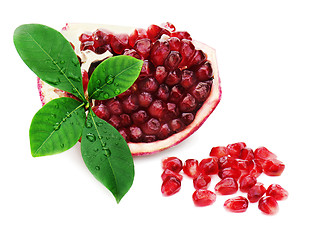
x,y
238,167
175,81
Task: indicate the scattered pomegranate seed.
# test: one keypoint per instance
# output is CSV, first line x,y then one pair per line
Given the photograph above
x,y
245,166
170,186
237,204
256,192
101,111
202,181
263,153
168,173
276,191
137,34
234,149
230,172
226,162
218,152
172,163
272,167
209,166
226,186
268,205
190,168
203,197
246,182
246,154
256,170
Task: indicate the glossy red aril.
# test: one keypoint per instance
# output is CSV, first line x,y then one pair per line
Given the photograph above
x,y
226,186
170,186
218,152
276,191
246,182
226,162
202,181
256,192
237,204
245,166
168,173
229,172
190,168
272,167
203,197
256,170
262,153
172,163
268,205
246,154
234,149
209,166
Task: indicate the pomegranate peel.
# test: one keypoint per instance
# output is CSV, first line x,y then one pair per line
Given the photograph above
x,y
72,32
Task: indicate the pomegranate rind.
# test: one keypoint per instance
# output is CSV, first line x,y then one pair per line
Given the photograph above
x,y
73,30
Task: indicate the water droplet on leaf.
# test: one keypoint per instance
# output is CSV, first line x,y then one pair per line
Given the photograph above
x,y
97,168
91,137
109,79
88,124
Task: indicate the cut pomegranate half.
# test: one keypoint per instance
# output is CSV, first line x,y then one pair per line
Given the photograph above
x,y
178,87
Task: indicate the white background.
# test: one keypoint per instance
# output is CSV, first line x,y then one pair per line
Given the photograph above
x,y
269,60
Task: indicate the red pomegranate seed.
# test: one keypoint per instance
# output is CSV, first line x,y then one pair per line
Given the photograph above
x,y
234,149
256,170
268,205
151,127
132,53
155,32
119,42
143,47
173,60
168,173
237,204
187,79
173,111
201,91
172,163
262,153
101,111
130,103
114,106
176,93
209,166
161,74
272,167
89,45
199,58
187,118
278,192
169,26
163,92
145,99
246,154
85,79
181,35
139,117
148,84
101,37
125,133
256,192
226,186
177,125
173,78
227,162
147,69
191,168
135,134
201,181
230,172
174,43
187,50
218,152
246,182
204,72
164,131
157,109
137,34
203,197
170,186
188,103
245,166
159,52
85,37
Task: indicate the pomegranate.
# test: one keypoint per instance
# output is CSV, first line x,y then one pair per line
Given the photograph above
x,y
176,91
237,204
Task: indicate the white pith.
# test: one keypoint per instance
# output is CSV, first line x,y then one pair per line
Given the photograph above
x,y
74,30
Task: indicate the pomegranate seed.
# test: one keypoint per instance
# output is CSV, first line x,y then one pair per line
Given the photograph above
x,y
226,186
199,58
145,99
181,35
177,125
161,74
238,204
163,92
101,111
273,167
234,173
173,111
218,152
226,162
115,121
85,79
170,186
256,192
148,84
132,53
176,93
268,205
187,79
151,127
139,117
173,78
245,166
155,32
201,181
125,133
203,197
147,69
187,50
143,47
234,149
209,166
137,34
172,163
168,173
89,45
157,109
278,192
173,60
101,37
201,91
262,153
164,131
135,133
85,37
190,168
246,182
114,106
187,118
246,154
174,43
130,103
169,26
159,52
204,72
119,42
256,170
125,120
188,103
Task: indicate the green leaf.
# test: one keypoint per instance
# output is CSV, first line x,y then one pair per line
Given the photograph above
x,y
50,56
107,155
113,76
57,126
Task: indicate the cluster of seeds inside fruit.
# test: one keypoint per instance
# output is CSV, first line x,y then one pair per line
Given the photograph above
x,y
175,80
238,168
